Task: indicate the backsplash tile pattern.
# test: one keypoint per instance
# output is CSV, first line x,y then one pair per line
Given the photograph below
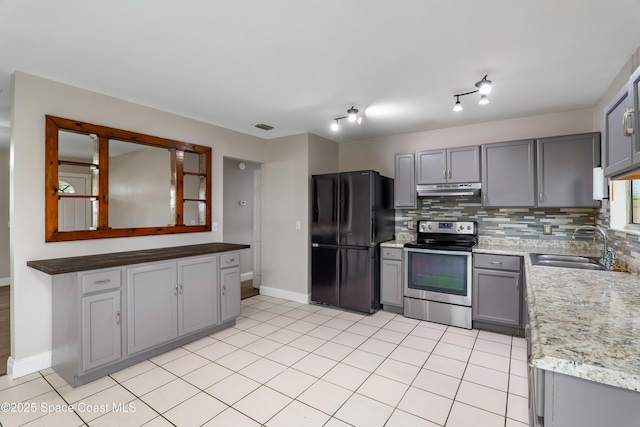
x,y
524,223
621,242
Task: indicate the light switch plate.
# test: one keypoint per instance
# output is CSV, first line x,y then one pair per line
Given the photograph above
x,y
546,229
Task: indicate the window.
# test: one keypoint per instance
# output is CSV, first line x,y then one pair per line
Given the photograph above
x,y
65,188
634,216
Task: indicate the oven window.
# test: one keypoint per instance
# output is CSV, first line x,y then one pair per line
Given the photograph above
x,y
438,273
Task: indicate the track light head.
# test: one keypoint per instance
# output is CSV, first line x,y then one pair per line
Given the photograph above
x,y
458,106
335,126
352,114
483,100
484,86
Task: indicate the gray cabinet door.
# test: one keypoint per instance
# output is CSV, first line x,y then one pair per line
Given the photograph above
x,y
635,86
230,293
565,170
391,292
101,330
405,181
431,166
617,142
463,164
508,174
152,305
496,296
197,294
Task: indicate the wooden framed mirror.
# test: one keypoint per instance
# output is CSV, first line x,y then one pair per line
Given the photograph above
x,y
103,182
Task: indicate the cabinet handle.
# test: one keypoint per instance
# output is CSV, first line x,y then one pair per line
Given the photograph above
x,y
486,196
102,282
175,290
230,260
118,317
628,131
517,283
224,290
411,197
539,197
444,174
496,262
180,288
449,174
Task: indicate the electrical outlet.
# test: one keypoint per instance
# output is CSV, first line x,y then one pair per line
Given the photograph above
x,y
297,225
410,225
214,226
546,229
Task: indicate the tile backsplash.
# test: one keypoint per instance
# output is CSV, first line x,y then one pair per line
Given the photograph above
x,y
525,223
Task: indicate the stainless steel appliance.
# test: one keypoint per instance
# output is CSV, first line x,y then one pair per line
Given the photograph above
x,y
441,190
352,212
438,272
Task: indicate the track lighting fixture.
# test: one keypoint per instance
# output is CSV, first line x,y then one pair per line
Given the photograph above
x,y
484,87
352,116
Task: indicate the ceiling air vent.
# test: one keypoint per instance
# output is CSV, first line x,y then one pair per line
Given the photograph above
x,y
263,126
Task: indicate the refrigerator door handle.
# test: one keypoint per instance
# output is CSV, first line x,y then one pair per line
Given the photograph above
x,y
315,245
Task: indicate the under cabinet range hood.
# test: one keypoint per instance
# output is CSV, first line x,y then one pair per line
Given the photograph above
x,y
440,190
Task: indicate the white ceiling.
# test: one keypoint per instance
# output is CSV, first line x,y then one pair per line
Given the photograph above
x,y
296,64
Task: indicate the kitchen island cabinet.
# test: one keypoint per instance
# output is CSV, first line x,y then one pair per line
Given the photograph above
x,y
143,303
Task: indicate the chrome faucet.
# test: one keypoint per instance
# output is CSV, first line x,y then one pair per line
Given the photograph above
x,y
608,255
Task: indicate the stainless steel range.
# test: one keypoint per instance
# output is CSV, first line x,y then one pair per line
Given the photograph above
x,y
437,285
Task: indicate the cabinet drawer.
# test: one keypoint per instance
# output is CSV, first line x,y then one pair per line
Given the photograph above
x,y
98,281
229,260
497,262
391,253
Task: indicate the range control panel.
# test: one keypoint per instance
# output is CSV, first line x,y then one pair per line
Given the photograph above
x,y
448,227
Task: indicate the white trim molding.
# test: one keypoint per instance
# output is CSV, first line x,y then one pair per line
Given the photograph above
x,y
5,281
29,365
281,293
246,276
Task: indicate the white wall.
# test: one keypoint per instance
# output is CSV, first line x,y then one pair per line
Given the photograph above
x,y
35,97
4,216
285,200
238,219
378,153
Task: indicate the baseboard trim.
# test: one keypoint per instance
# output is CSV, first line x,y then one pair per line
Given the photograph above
x,y
246,276
29,365
6,281
283,294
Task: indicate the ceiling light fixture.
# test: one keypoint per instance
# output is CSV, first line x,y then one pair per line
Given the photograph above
x,y
352,116
484,87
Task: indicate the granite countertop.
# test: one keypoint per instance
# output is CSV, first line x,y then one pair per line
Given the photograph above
x,y
583,323
394,243
117,259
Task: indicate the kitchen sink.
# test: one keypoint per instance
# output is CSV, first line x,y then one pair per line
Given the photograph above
x,y
567,261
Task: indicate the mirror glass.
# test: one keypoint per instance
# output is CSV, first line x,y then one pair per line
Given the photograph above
x,y
139,185
106,182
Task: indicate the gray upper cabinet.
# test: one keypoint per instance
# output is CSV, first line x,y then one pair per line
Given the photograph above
x,y
405,181
635,85
508,178
618,132
453,165
564,169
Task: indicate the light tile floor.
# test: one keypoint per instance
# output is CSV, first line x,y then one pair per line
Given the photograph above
x,y
289,364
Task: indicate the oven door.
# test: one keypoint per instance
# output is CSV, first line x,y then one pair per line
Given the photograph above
x,y
434,275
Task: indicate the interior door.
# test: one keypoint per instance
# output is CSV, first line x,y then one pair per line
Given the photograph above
x,y
74,214
257,228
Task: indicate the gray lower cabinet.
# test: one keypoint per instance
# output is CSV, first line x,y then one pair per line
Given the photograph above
x,y
152,312
508,174
391,283
564,170
229,286
405,181
101,337
106,320
566,401
497,292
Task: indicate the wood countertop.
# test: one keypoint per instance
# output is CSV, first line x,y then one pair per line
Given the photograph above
x,y
117,259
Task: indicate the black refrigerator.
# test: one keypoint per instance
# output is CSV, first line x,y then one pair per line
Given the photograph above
x,y
352,213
